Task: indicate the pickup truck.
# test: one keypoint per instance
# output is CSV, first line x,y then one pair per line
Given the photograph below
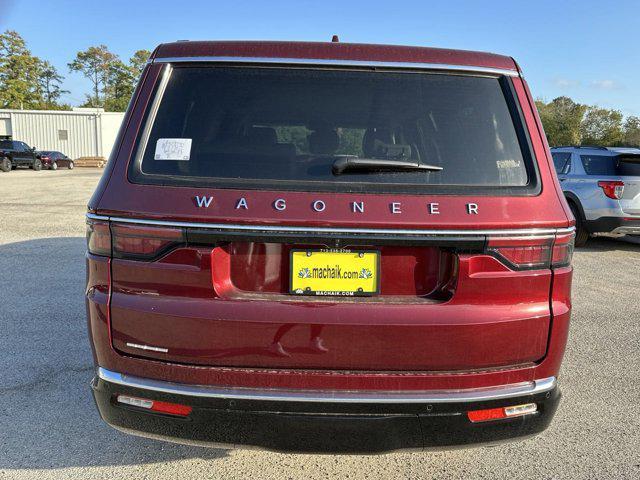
x,y
15,154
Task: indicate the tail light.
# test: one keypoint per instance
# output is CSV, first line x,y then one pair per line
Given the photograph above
x,y
98,238
526,253
139,242
612,189
143,242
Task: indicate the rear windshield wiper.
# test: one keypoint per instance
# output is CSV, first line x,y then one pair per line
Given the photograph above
x,y
355,164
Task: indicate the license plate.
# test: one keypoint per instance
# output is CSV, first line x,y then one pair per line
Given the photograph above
x,y
345,273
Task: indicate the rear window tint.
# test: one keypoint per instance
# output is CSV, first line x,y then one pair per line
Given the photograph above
x,y
285,127
613,166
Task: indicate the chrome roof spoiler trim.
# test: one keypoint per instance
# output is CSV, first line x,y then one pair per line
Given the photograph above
x,y
341,63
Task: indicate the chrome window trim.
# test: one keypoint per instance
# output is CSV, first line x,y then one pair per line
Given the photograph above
x,y
337,396
339,62
526,232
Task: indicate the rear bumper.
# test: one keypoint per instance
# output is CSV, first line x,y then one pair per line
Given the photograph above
x,y
323,421
619,225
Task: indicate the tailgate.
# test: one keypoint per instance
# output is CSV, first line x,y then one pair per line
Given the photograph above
x,y
221,298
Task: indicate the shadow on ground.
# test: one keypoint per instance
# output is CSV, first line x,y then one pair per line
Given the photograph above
x,y
47,415
609,243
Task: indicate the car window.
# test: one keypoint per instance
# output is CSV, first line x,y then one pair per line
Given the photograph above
x,y
561,162
610,165
6,144
286,126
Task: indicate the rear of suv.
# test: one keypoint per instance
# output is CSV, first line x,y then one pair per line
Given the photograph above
x,y
602,187
329,247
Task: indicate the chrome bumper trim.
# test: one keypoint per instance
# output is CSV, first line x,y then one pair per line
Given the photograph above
x,y
341,63
280,395
525,232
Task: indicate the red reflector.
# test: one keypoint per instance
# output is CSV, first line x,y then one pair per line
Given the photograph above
x,y
502,412
156,405
135,241
171,408
485,415
612,188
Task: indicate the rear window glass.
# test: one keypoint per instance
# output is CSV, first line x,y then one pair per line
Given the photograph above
x,y
285,127
613,166
6,144
561,162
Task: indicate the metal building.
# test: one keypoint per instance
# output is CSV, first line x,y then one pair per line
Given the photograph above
x,y
82,132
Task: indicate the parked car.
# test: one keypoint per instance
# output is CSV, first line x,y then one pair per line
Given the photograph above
x,y
14,153
54,160
602,187
329,248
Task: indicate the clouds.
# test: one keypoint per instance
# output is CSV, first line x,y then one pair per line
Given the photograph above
x,y
563,83
605,84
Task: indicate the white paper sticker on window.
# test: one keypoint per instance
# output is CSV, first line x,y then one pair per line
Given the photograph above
x,y
173,149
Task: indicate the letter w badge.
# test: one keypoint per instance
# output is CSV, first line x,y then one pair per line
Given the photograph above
x,y
203,201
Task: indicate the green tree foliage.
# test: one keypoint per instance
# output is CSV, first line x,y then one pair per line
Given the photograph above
x,y
112,80
569,123
561,119
138,61
50,84
601,126
95,63
19,73
632,132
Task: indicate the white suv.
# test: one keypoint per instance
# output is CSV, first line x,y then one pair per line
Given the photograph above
x,y
602,186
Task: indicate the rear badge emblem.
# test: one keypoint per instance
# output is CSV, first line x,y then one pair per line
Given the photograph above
x,y
319,206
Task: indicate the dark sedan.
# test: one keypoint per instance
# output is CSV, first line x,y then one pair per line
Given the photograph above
x,y
54,160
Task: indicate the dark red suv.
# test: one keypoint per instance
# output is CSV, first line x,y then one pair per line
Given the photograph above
x,y
329,247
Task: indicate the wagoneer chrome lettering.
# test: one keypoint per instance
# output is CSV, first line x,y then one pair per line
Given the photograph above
x,y
332,269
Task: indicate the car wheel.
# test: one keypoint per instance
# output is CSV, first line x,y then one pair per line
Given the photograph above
x,y
54,166
5,165
37,165
581,233
70,166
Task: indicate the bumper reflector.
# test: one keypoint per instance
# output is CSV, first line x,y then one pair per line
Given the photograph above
x,y
502,412
155,405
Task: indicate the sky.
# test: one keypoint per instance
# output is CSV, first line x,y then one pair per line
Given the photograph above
x,y
587,49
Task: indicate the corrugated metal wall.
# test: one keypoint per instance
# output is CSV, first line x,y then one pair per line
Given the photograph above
x,y
77,134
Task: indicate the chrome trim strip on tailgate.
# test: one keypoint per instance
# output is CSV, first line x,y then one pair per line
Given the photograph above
x,y
430,396
301,229
341,63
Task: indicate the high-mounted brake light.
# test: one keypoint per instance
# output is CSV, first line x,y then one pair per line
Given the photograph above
x,y
503,412
612,188
155,405
530,253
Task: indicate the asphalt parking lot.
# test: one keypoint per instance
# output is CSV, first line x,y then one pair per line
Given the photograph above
x,y
49,427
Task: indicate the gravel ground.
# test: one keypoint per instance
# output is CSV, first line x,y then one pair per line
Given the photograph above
x,y
49,427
